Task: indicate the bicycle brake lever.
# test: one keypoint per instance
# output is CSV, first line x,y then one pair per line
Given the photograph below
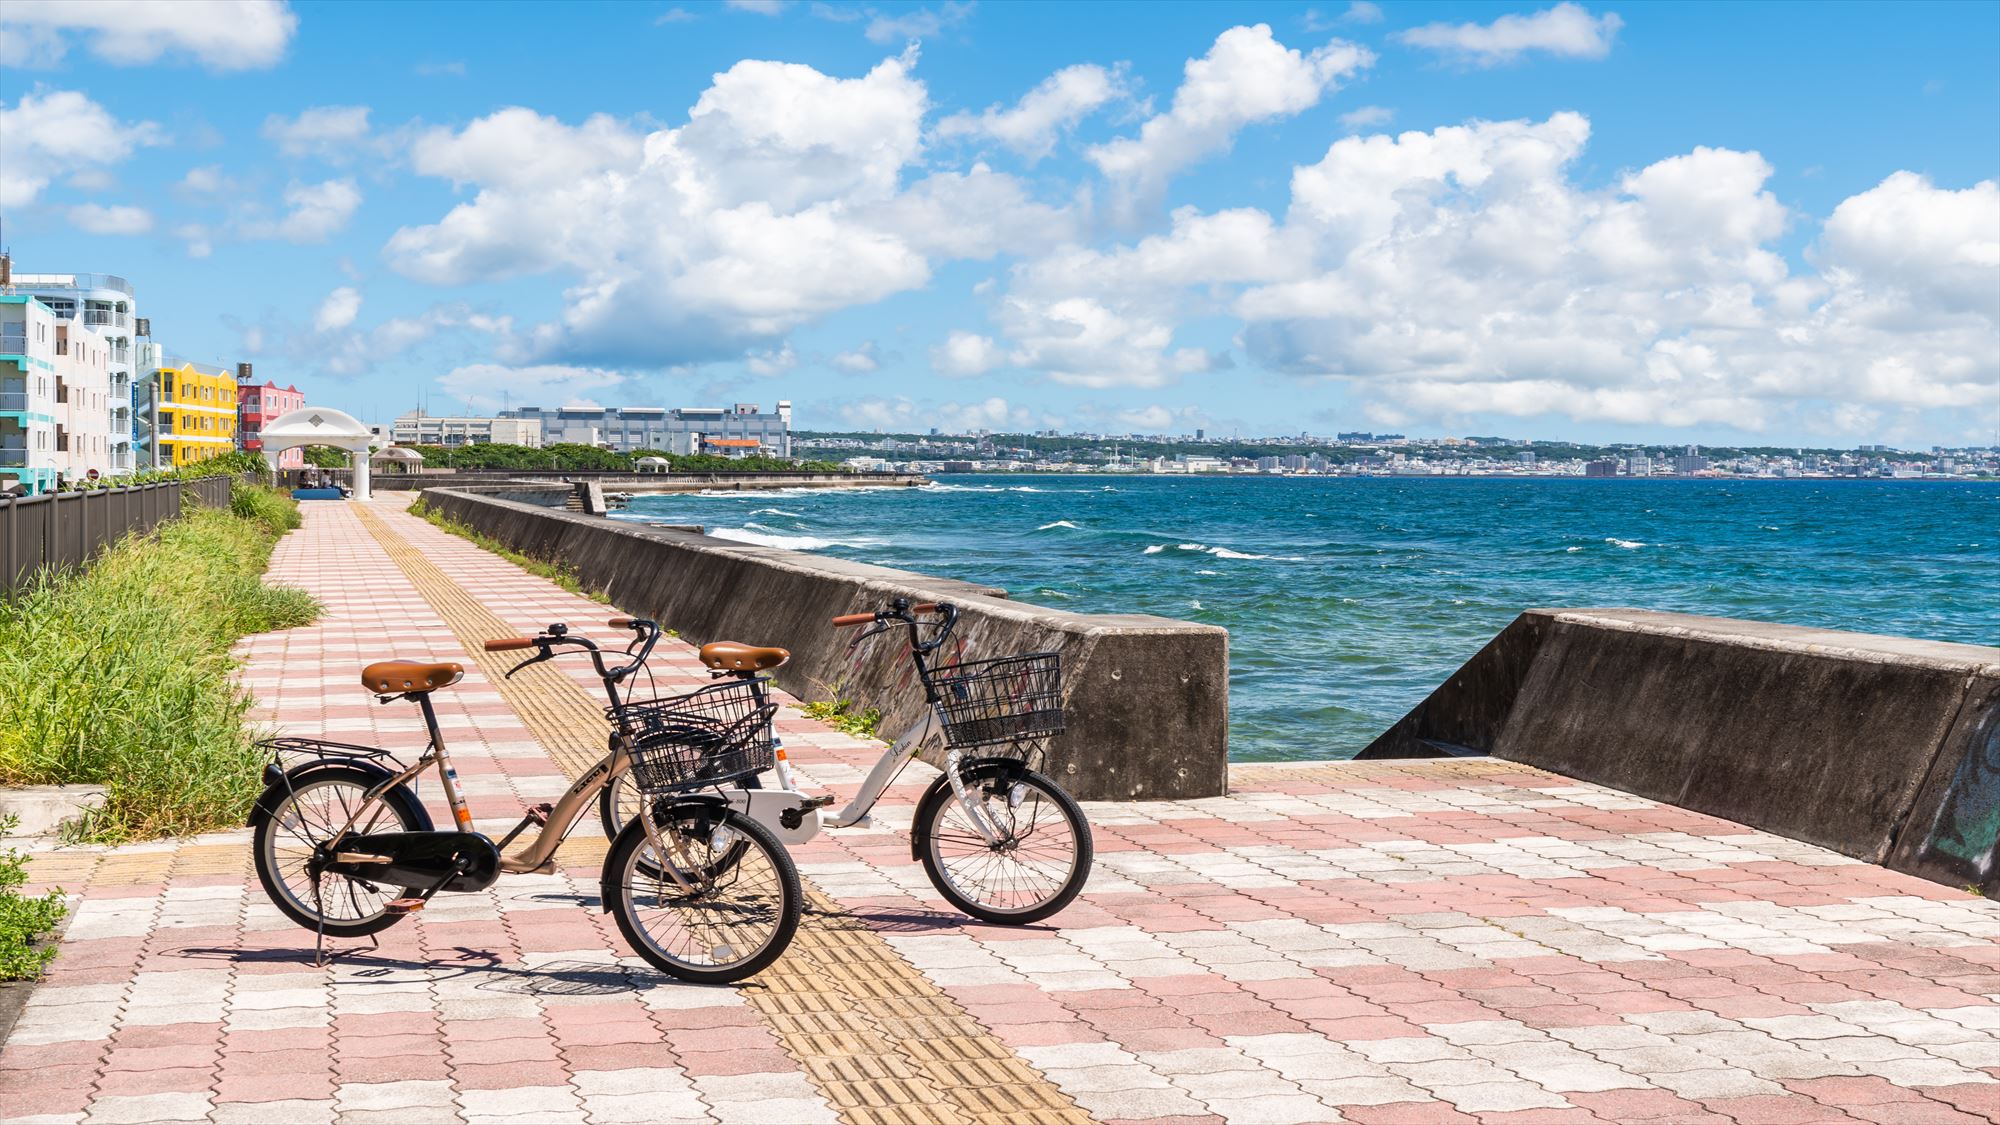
x,y
545,654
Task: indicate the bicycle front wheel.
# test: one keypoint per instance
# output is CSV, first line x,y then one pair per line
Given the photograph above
x,y
738,909
1035,866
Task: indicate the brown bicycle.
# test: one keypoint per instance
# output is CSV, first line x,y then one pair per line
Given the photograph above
x,y
703,892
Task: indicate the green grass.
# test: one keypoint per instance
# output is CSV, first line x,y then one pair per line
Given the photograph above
x,y
842,716
555,572
22,919
119,674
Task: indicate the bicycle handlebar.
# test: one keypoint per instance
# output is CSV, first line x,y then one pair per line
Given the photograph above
x,y
508,644
847,619
558,634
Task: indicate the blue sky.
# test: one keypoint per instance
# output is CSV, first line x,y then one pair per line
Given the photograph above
x,y
1700,222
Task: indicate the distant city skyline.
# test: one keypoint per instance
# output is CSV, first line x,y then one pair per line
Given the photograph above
x,y
1709,224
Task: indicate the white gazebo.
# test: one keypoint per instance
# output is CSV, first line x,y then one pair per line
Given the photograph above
x,y
319,425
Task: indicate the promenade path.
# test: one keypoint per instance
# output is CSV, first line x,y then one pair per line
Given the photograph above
x,y
1417,942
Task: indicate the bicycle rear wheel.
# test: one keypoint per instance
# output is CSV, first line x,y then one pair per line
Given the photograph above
x,y
739,912
1037,866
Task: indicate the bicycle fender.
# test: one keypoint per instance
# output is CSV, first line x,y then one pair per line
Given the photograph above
x,y
279,782
972,769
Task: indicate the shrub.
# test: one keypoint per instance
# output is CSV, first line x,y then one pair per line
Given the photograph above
x,y
119,674
22,919
841,716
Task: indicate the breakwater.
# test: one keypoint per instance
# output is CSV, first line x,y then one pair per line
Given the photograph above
x,y
1886,749
1149,714
664,483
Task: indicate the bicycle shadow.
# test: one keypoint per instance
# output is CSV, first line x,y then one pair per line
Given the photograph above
x,y
551,979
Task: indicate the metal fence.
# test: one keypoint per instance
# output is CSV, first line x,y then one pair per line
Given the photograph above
x,y
69,528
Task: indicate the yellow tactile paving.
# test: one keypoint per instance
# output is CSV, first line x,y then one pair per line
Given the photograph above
x,y
878,1039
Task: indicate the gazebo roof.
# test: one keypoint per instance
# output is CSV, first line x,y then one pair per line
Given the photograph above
x,y
398,453
652,461
316,425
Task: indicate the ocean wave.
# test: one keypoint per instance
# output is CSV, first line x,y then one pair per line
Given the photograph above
x,y
767,539
1058,523
1208,572
1628,544
1572,550
776,512
1154,549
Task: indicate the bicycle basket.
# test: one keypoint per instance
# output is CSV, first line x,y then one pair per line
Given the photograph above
x,y
707,737
1011,699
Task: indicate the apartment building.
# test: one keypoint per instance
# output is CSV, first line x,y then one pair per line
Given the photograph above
x,y
629,429
257,406
188,412
103,302
28,455
83,406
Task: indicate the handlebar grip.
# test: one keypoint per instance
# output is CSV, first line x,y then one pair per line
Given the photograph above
x,y
924,607
620,622
846,619
506,644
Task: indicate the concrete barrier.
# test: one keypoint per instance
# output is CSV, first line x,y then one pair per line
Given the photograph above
x,y
1147,697
1886,749
713,481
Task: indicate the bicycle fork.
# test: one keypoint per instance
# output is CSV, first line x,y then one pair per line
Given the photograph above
x,y
975,810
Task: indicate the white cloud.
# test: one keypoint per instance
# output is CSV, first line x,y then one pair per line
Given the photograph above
x,y
98,219
920,23
1363,11
1567,30
205,180
484,386
338,310
760,7
776,361
780,200
49,133
859,360
220,34
1031,126
315,213
1363,117
1246,77
967,353
328,132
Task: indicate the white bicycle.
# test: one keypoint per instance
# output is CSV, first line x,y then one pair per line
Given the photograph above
x,y
998,839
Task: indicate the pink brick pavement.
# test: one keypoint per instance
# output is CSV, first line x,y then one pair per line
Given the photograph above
x,y
1421,942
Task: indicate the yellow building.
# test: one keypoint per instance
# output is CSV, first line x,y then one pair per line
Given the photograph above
x,y
192,412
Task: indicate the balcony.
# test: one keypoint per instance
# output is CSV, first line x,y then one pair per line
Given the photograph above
x,y
104,316
14,340
16,400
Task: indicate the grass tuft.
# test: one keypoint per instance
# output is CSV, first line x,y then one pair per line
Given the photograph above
x,y
841,716
119,674
555,572
23,920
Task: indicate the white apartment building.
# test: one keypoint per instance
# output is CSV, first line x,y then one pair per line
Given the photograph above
x,y
106,303
27,394
83,408
418,428
630,429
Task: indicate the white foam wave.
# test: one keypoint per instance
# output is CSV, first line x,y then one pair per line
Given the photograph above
x,y
776,512
1208,572
1572,550
1155,549
767,539
1058,523
1628,544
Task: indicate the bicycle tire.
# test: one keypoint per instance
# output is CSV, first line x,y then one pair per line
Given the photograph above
x,y
927,842
625,860
399,800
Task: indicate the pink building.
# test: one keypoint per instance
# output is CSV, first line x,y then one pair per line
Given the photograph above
x,y
257,407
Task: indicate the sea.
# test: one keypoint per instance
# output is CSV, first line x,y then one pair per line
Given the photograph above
x,y
1348,599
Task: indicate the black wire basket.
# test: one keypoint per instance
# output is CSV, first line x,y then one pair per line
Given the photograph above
x,y
708,737
1011,700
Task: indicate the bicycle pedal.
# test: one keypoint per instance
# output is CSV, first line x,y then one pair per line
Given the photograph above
x,y
539,814
405,905
819,802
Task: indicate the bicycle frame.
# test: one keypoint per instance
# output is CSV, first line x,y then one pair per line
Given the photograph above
x,y
539,854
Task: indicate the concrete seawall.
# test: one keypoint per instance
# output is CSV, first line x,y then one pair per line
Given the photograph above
x,y
1886,749
1148,697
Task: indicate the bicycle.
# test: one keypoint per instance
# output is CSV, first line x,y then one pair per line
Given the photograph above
x,y
344,847
998,839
